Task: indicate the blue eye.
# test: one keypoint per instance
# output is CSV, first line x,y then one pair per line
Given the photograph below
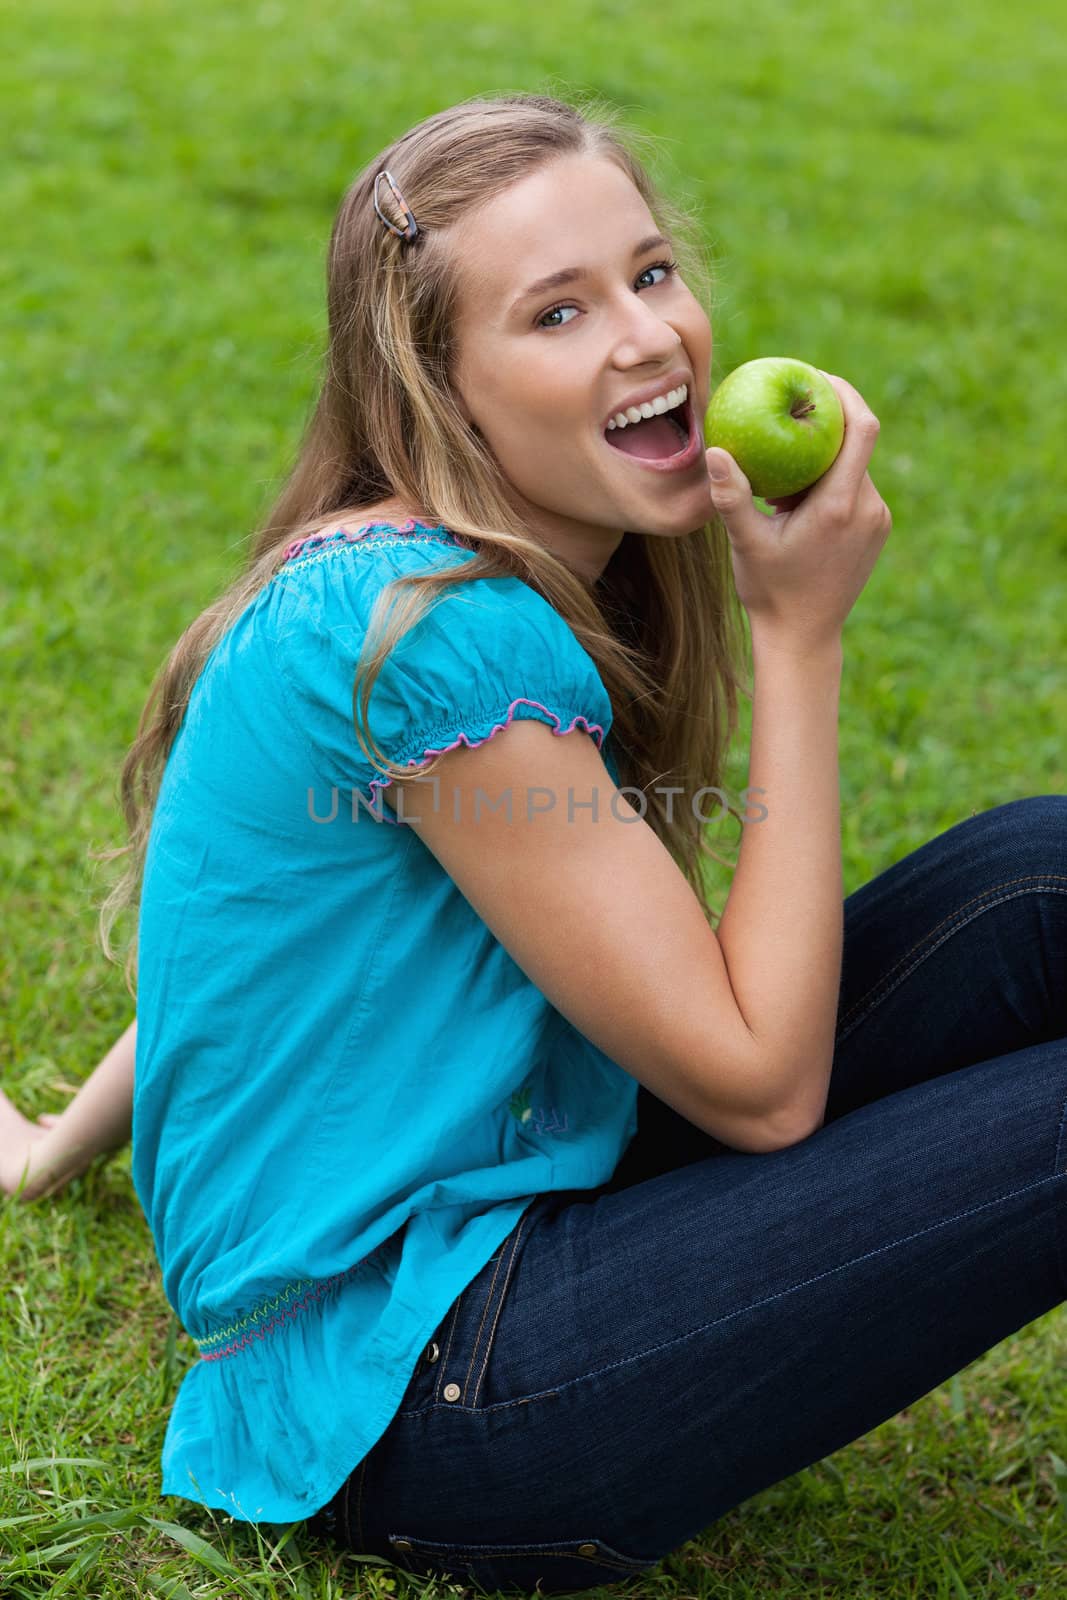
x,y
669,267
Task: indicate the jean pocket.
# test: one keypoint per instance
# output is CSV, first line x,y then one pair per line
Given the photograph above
x,y
554,1565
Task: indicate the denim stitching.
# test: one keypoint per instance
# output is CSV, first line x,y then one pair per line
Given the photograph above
x,y
359,1507
1061,1163
1044,887
466,1554
523,1220
451,1330
1061,1143
481,1324
345,1512
953,914
596,1372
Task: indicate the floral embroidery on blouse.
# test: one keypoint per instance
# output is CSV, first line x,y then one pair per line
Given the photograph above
x,y
519,1105
313,541
535,1117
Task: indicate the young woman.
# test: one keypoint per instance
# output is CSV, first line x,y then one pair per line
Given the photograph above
x,y
527,1214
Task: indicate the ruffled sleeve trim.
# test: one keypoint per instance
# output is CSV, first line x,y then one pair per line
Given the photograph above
x,y
440,740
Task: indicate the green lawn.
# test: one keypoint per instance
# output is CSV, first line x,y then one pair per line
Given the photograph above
x,y
882,194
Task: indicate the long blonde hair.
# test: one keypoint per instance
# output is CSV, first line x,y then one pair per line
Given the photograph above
x,y
662,624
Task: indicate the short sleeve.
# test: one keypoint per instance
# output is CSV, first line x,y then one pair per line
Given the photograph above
x,y
489,652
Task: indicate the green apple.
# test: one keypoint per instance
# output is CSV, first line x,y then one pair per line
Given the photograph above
x,y
780,419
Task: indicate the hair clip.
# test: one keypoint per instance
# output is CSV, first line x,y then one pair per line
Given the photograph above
x,y
411,229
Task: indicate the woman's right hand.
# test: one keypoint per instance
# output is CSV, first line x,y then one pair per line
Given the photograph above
x,y
799,573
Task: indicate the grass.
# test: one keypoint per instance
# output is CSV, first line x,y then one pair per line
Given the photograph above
x,y
881,189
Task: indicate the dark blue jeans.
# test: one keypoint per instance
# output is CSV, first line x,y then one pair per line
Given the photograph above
x,y
639,1358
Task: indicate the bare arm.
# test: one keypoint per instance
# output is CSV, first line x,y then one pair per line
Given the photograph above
x,y
782,927
589,903
97,1120
798,574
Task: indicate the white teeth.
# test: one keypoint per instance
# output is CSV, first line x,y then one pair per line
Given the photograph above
x,y
651,408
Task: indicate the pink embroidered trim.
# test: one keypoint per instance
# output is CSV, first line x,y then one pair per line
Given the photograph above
x,y
312,541
472,744
285,1312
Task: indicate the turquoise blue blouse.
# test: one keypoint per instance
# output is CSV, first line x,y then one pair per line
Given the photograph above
x,y
346,1090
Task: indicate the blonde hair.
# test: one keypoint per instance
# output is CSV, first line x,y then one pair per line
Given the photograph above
x,y
662,624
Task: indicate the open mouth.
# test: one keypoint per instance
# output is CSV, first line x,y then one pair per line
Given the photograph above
x,y
667,441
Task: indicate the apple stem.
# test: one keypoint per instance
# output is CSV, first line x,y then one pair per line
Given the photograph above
x,y
807,405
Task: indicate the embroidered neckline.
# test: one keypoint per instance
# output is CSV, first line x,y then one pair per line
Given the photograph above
x,y
315,541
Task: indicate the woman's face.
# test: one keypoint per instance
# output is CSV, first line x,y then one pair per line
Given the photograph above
x,y
541,373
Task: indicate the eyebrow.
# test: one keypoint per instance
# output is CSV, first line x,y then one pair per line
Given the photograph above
x,y
574,274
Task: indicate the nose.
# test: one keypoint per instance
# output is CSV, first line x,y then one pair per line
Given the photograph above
x,y
645,338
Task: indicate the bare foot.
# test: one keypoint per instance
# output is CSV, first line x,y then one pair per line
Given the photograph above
x,y
18,1135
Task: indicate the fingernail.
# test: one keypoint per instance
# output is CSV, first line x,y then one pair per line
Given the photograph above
x,y
719,468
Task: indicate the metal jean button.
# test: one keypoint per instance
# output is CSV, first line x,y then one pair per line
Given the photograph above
x,y
431,1353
